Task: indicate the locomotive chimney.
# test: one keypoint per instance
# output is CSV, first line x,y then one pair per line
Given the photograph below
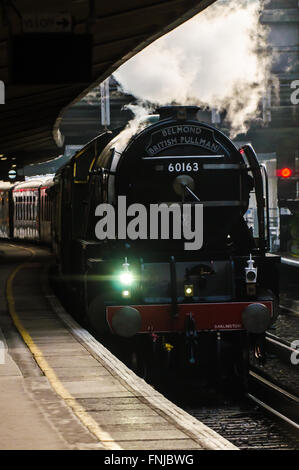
x,y
181,113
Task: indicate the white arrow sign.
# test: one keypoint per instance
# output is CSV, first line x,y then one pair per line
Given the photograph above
x,y
47,23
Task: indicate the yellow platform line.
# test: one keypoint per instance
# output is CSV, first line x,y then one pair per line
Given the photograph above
x,y
31,250
104,437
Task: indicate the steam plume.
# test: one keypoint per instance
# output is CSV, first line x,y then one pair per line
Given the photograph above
x,y
218,59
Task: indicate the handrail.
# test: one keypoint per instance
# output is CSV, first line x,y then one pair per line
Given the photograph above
x,y
254,166
267,205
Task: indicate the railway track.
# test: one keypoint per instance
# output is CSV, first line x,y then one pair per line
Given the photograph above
x,y
282,349
290,307
267,418
274,399
247,426
281,367
275,386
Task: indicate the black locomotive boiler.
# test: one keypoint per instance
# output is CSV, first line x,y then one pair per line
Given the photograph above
x,y
150,292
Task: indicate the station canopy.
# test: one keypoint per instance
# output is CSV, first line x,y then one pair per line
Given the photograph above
x,y
53,52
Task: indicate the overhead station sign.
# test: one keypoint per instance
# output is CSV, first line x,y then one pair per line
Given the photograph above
x,y
47,23
48,51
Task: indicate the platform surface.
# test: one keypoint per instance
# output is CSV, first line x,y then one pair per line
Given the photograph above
x,y
61,389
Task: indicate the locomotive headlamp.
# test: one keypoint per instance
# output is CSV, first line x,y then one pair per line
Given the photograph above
x,y
250,271
188,290
251,277
126,294
126,277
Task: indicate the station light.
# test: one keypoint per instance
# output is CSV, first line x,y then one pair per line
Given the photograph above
x,y
285,172
12,174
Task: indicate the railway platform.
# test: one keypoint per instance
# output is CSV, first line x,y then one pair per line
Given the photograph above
x,y
61,389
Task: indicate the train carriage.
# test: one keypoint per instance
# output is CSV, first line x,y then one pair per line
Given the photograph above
x,y
5,223
45,211
31,218
26,202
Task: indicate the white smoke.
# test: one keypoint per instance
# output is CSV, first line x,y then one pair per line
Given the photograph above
x,y
218,59
135,125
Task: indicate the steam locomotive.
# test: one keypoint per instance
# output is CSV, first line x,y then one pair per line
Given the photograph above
x,y
141,283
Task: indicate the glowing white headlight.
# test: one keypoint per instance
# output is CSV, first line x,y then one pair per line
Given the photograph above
x,y
126,278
